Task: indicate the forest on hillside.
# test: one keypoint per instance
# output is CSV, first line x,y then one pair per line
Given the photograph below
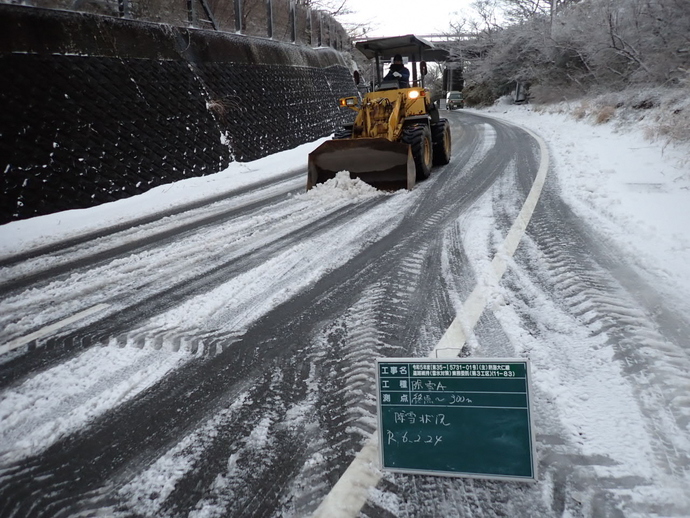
x,y
565,48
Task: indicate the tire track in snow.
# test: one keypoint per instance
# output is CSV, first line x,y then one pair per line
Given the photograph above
x,y
411,496
386,321
199,381
119,323
135,276
646,370
213,207
165,413
35,414
211,468
583,278
649,358
359,419
406,311
251,451
196,346
479,170
346,343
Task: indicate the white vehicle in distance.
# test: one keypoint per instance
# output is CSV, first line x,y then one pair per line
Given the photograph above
x,y
454,100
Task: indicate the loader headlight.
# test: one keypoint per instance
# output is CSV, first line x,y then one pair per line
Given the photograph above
x,y
413,94
348,102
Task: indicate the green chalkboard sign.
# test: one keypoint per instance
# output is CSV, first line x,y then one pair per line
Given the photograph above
x,y
461,417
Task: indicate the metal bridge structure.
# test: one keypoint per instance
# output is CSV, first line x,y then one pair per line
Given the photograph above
x,y
463,48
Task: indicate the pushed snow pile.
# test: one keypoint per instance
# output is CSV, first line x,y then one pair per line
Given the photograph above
x,y
343,187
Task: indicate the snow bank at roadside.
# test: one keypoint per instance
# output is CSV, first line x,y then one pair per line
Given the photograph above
x,y
19,236
634,190
24,235
661,114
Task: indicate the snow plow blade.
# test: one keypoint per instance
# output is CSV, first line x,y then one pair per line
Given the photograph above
x,y
379,162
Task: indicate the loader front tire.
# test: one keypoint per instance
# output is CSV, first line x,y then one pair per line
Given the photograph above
x,y
342,133
419,139
440,136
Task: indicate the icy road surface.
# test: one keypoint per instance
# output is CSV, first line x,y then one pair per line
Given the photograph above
x,y
229,370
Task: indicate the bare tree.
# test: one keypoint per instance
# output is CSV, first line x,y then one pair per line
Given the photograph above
x,y
521,10
333,7
487,23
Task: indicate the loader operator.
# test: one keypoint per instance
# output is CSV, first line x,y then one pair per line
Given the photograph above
x,y
398,72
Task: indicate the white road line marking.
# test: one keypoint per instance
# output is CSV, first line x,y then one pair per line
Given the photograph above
x,y
351,492
48,330
455,336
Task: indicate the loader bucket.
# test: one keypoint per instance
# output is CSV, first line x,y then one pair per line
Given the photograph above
x,y
379,162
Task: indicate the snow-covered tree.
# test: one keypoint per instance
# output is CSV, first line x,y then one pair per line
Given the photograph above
x,y
567,47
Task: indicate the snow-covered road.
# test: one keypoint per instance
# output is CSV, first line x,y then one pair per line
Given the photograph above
x,y
231,373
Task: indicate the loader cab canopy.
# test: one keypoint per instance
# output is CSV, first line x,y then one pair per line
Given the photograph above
x,y
416,50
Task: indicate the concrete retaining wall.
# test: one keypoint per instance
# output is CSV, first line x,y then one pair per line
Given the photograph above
x,y
98,108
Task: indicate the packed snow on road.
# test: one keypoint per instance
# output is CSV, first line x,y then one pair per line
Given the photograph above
x,y
630,424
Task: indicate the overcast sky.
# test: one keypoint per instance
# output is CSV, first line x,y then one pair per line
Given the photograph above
x,y
396,17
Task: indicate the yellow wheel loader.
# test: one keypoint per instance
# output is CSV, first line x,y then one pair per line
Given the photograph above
x,y
397,135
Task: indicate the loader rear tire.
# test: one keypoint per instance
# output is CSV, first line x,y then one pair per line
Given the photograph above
x,y
440,135
419,139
